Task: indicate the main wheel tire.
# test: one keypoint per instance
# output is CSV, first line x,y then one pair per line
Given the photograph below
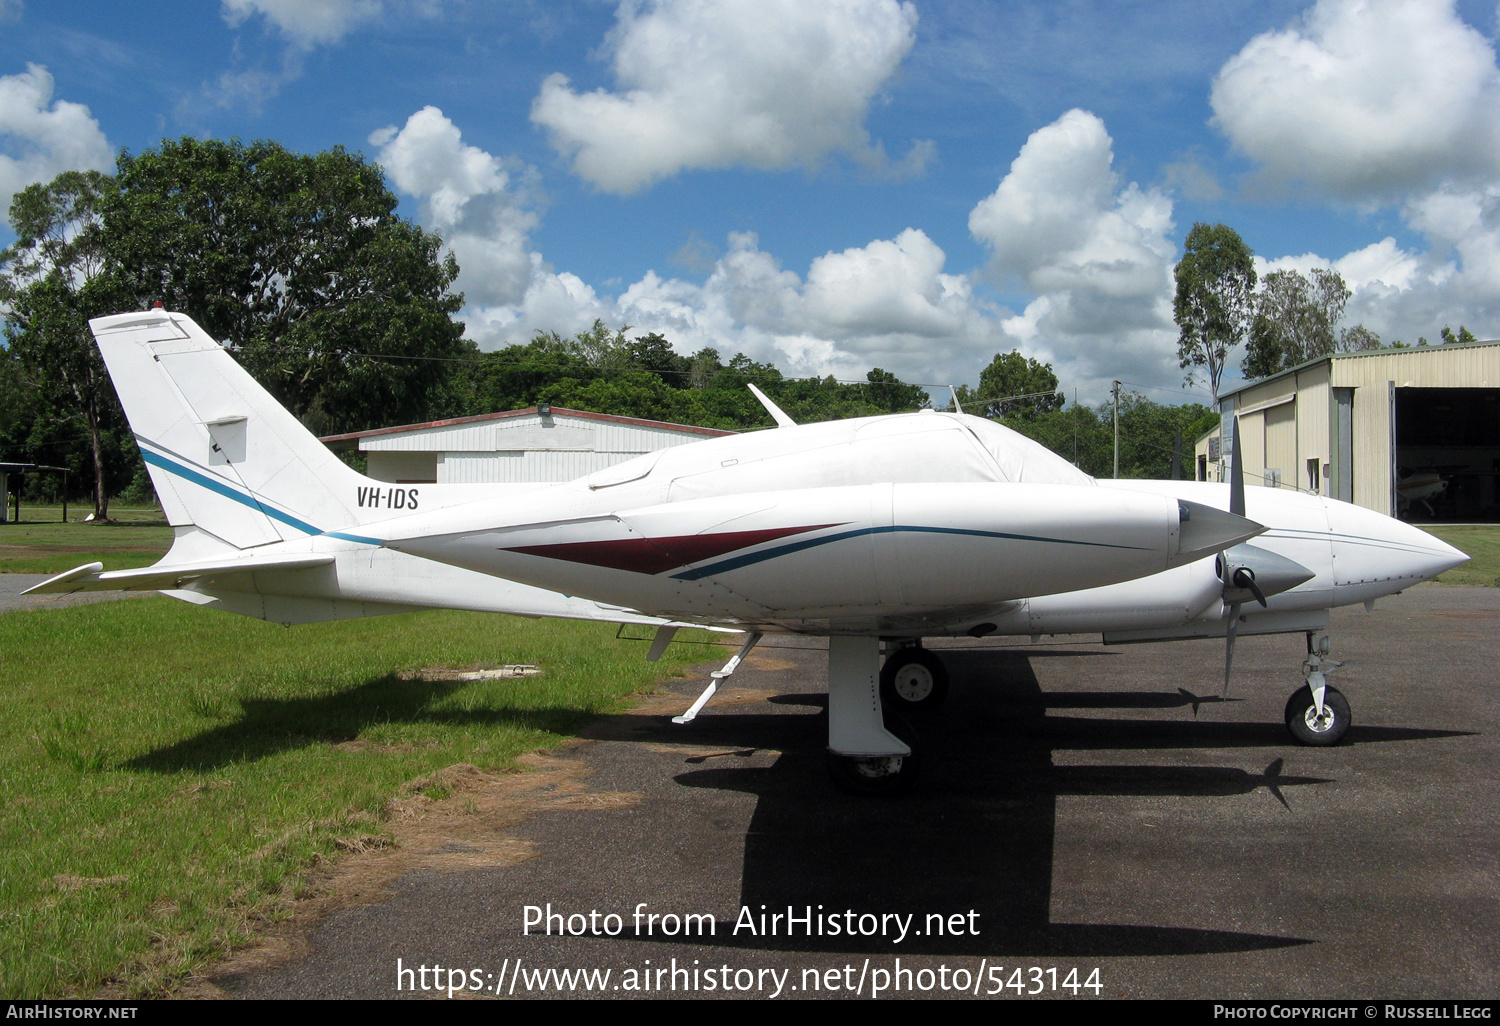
x,y
1307,727
913,680
878,775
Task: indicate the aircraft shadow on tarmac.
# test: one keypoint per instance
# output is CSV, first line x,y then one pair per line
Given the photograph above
x,y
976,830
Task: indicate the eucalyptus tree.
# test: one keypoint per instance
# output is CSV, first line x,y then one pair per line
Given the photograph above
x,y
53,278
1297,318
1214,301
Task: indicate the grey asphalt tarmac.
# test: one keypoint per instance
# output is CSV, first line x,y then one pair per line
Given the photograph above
x,y
1079,808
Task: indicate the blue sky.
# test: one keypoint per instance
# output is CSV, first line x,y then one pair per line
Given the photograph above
x,y
835,186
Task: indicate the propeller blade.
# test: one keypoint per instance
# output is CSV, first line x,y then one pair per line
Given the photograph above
x,y
1237,472
1237,507
1245,578
1234,623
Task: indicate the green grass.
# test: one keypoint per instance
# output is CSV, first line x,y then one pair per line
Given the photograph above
x,y
168,774
42,544
1482,544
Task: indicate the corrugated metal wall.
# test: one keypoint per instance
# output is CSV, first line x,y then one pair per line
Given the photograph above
x,y
515,450
1372,447
1253,446
1371,377
514,467
1433,367
556,432
1281,444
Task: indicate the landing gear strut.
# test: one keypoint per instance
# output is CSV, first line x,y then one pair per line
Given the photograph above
x,y
1318,714
913,680
865,756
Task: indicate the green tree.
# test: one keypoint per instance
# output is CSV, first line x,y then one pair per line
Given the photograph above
x,y
654,354
1149,431
1013,386
52,280
1077,433
1296,319
340,308
1464,336
1357,339
1084,436
1213,303
605,371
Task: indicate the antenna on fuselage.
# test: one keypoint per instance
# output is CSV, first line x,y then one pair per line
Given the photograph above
x,y
956,408
776,412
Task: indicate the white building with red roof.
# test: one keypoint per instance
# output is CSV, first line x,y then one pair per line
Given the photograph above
x,y
537,444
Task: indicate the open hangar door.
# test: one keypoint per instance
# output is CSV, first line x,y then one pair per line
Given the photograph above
x,y
1448,454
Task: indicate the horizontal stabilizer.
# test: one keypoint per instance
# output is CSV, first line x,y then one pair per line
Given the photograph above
x,y
166,577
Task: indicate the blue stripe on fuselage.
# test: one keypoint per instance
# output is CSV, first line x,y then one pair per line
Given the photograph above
x,y
736,562
219,487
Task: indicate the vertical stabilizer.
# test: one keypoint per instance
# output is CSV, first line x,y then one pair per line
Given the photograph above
x,y
223,454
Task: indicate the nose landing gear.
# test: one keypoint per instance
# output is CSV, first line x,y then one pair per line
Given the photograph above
x,y
1318,714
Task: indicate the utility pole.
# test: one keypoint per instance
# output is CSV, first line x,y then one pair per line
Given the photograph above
x,y
1116,391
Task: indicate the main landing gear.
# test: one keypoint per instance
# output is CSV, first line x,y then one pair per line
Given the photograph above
x,y
866,754
1318,714
913,680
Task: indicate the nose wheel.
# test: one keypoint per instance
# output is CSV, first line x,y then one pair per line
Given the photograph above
x,y
1318,714
1311,726
913,680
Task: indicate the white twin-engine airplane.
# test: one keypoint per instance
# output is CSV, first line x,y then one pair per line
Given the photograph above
x,y
873,532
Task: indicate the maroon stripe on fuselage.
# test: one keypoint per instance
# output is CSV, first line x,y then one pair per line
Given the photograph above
x,y
657,555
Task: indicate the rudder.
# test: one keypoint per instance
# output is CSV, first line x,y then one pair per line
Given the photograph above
x,y
223,454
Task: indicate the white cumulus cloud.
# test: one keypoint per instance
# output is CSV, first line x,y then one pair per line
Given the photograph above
x,y
40,137
307,23
481,204
720,83
889,286
1406,294
1365,98
1093,250
1386,103
304,25
887,304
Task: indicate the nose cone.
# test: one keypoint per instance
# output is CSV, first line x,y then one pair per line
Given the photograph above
x,y
1442,555
1374,552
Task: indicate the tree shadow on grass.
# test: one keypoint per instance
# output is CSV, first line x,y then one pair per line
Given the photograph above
x,y
270,726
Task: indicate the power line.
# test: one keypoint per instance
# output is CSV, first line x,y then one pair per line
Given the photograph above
x,y
596,369
1160,388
